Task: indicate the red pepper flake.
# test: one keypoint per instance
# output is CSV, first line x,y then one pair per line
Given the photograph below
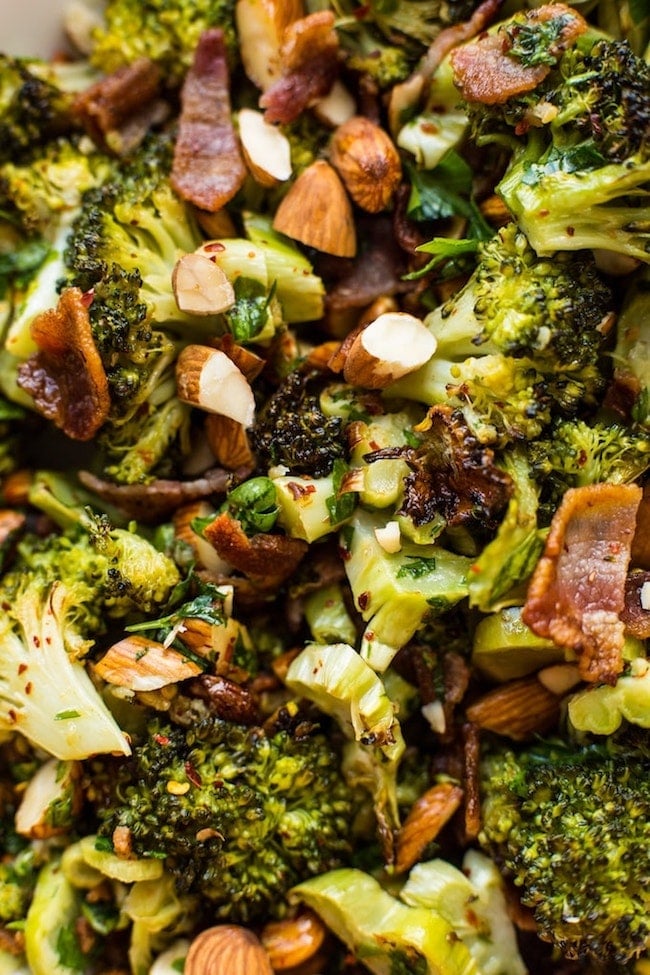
x,y
299,491
193,775
364,600
28,687
161,739
22,668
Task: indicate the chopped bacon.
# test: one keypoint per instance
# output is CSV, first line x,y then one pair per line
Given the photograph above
x,y
66,378
208,166
375,272
485,72
309,61
577,592
151,502
267,560
118,110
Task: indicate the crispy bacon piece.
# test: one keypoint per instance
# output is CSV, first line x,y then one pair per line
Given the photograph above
x,y
66,378
309,61
151,502
118,110
375,272
208,166
267,560
484,71
577,592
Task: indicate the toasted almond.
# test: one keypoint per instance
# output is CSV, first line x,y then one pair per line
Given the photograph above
x,y
559,678
317,212
209,379
266,149
217,224
425,819
389,537
200,286
367,161
228,442
55,784
248,363
380,306
11,523
260,28
391,346
204,554
141,664
16,487
336,107
319,356
495,211
293,941
227,949
517,710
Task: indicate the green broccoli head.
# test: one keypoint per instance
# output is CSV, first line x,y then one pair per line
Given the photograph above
x,y
571,828
292,430
32,108
165,31
239,816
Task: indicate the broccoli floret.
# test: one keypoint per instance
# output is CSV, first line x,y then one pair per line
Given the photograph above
x,y
519,342
570,827
33,109
292,430
580,169
56,599
239,816
165,31
385,40
574,453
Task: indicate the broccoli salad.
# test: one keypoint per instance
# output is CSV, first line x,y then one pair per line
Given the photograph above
x,y
324,528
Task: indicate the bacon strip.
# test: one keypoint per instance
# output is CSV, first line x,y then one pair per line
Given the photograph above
x,y
309,61
267,560
119,109
66,377
208,166
484,71
577,592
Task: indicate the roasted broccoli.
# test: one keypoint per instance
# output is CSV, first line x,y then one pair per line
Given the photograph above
x,y
57,596
569,825
519,342
238,816
19,864
33,108
292,430
164,31
579,133
385,40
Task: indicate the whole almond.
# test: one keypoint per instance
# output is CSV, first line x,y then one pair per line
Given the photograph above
x,y
317,212
367,161
227,949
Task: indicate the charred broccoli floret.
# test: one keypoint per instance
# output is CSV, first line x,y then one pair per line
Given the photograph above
x,y
238,816
579,134
165,31
33,109
292,430
570,826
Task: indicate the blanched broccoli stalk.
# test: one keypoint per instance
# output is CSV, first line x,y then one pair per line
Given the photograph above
x,y
389,936
55,597
569,826
396,592
342,685
602,710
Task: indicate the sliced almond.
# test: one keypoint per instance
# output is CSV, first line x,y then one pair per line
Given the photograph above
x,y
140,664
317,212
518,710
336,107
559,678
227,949
55,785
209,379
367,161
391,346
249,363
228,442
425,819
292,941
215,225
260,29
200,286
204,554
266,149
